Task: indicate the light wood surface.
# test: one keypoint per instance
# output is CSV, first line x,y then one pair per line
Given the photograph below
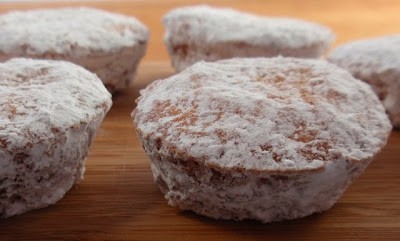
x,y
118,199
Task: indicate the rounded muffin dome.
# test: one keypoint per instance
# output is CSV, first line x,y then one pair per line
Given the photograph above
x,y
281,114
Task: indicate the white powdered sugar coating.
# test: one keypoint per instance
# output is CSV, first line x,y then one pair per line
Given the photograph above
x,y
377,62
49,113
273,115
206,33
73,31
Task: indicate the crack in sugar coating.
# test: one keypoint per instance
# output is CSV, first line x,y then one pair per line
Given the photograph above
x,y
278,114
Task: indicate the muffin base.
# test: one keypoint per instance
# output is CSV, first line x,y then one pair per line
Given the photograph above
x,y
184,55
239,194
41,175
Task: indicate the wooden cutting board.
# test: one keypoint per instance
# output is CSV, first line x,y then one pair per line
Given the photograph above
x,y
119,201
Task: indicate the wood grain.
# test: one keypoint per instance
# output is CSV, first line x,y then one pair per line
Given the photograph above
x,y
118,199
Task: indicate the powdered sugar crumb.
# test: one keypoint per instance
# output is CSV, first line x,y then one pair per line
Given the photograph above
x,y
277,114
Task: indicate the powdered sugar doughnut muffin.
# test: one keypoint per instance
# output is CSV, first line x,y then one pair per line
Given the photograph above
x,y
265,139
49,114
207,33
377,62
108,44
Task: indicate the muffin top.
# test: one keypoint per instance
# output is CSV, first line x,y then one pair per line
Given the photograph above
x,y
374,55
40,99
263,114
73,31
215,25
377,62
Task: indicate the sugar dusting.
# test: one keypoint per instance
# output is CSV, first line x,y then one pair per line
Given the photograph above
x,y
375,61
277,114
